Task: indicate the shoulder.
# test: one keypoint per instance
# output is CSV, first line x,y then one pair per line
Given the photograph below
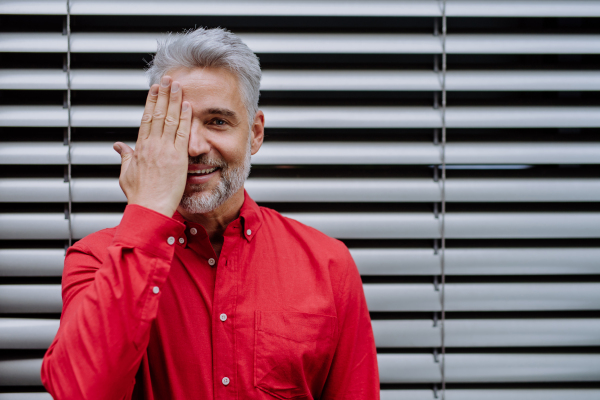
x,y
302,233
322,251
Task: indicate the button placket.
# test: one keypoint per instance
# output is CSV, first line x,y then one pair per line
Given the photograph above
x,y
224,304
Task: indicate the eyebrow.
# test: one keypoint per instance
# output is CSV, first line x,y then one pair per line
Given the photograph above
x,y
222,111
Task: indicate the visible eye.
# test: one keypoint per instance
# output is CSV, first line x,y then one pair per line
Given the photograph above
x,y
218,122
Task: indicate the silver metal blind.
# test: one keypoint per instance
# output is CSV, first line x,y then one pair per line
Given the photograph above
x,y
453,146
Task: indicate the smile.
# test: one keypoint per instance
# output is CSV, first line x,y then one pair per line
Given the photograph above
x,y
202,171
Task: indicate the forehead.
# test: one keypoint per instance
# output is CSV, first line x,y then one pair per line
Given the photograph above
x,y
208,87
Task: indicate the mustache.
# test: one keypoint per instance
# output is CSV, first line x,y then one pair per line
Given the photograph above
x,y
206,160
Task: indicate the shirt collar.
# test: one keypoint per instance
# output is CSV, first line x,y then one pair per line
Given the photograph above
x,y
250,215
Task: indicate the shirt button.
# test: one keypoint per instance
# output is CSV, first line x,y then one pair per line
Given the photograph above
x,y
211,261
223,317
193,231
249,232
171,240
155,290
181,240
225,381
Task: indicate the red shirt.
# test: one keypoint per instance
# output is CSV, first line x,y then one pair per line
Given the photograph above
x,y
150,312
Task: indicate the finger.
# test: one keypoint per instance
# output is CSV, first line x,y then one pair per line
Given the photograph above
x,y
144,131
172,118
182,136
160,110
126,154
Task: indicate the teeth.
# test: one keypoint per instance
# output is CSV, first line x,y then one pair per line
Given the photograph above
x,y
202,171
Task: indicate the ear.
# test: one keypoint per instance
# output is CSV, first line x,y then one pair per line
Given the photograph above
x,y
257,131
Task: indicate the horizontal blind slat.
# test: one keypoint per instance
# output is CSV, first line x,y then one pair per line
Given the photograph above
x,y
312,43
102,190
326,117
484,297
478,261
487,333
323,80
25,333
385,297
493,394
29,333
19,226
386,261
418,368
320,8
332,153
31,262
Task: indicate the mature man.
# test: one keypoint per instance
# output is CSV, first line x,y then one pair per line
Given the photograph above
x,y
199,293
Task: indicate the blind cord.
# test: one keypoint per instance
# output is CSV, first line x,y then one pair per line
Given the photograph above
x,y
443,216
69,120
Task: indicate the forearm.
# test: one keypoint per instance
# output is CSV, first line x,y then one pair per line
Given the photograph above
x,y
105,327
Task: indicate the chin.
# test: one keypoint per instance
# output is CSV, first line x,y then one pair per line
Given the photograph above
x,y
201,201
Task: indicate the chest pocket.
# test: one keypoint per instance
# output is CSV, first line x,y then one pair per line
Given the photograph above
x,y
292,353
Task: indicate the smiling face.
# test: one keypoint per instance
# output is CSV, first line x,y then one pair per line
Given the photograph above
x,y
221,141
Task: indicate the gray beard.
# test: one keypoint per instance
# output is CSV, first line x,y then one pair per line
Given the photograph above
x,y
232,180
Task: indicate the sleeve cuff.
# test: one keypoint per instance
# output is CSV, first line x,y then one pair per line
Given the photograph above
x,y
148,230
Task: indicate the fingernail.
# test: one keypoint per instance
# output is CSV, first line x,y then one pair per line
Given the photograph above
x,y
185,106
175,87
164,82
154,90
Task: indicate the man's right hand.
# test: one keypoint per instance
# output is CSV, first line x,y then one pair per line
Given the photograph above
x,y
154,175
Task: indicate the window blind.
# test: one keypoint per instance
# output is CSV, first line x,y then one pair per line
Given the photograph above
x,y
352,92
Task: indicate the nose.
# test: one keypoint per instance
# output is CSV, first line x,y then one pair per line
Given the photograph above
x,y
198,144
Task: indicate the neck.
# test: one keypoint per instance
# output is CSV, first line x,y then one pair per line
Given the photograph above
x,y
216,221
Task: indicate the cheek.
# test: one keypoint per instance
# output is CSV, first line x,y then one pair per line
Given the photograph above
x,y
233,151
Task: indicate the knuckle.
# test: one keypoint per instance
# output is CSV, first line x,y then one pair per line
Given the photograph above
x,y
171,120
147,117
158,114
181,133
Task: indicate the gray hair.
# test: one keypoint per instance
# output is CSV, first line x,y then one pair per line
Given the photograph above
x,y
216,48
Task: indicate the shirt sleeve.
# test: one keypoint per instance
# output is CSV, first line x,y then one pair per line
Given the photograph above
x,y
110,298
353,373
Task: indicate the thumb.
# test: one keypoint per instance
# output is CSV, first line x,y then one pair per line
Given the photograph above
x,y
126,154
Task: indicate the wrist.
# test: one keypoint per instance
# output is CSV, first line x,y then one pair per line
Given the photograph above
x,y
164,209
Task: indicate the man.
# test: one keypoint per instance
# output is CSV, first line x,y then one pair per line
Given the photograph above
x,y
199,293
